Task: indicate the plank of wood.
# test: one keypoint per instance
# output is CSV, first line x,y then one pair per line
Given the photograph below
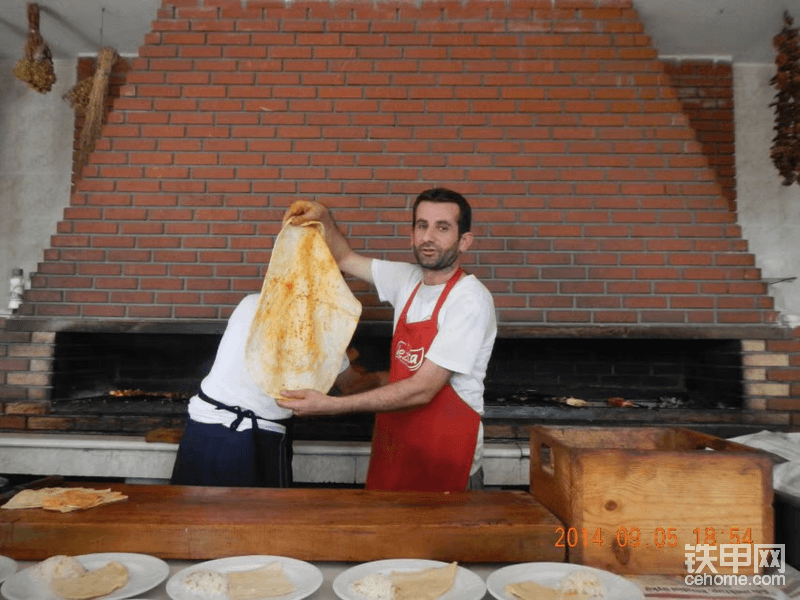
x,y
200,523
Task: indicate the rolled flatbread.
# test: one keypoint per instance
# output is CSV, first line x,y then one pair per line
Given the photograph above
x,y
305,318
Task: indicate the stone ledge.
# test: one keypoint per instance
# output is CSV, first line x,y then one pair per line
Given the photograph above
x,y
136,460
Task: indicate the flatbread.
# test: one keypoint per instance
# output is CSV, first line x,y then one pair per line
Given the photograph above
x,y
530,590
30,498
93,584
576,585
427,584
305,318
80,499
63,499
266,581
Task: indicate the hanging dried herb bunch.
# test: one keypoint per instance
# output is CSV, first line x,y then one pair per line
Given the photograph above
x,y
785,151
95,106
36,68
78,95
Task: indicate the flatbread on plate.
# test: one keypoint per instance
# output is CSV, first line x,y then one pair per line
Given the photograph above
x,y
266,581
93,584
530,590
305,318
576,585
427,584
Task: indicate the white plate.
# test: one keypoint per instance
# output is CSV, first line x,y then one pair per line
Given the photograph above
x,y
146,573
306,577
467,586
8,566
549,574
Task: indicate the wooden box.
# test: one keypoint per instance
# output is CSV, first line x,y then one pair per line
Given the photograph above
x,y
632,499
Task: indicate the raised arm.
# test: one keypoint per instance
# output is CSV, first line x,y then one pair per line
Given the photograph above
x,y
346,258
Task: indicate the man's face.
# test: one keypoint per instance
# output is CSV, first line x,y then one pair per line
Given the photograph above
x,y
435,238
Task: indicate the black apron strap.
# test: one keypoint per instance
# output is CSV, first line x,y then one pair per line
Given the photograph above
x,y
241,414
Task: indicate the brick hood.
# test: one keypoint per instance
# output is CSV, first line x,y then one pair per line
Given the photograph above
x,y
595,205
597,213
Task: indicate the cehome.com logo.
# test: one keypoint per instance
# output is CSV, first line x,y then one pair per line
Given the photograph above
x,y
702,561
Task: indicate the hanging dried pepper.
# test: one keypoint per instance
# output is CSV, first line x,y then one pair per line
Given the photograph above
x,y
785,152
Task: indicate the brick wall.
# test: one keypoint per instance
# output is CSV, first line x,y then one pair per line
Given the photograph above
x,y
25,376
595,203
783,377
598,204
705,90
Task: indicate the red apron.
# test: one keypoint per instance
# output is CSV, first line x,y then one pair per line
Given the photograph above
x,y
429,448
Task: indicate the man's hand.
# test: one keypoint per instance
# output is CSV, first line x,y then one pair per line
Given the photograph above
x,y
404,394
348,261
309,403
303,211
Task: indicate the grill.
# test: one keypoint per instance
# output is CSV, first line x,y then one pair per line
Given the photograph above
x,y
648,381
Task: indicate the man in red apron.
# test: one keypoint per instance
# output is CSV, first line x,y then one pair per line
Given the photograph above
x,y
428,422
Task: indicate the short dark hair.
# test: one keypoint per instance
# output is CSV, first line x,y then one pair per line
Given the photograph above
x,y
445,195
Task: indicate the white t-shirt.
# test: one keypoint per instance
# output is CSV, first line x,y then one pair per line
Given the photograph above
x,y
230,382
467,328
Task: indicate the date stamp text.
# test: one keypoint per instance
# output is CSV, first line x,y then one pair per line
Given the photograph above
x,y
657,537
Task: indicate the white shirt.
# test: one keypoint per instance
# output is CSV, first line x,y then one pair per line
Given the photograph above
x,y
230,382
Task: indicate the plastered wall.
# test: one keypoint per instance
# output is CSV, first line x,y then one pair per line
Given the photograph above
x,y
36,133
769,212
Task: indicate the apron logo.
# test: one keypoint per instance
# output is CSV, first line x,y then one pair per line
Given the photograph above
x,y
411,358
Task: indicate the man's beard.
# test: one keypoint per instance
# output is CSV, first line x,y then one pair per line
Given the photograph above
x,y
437,263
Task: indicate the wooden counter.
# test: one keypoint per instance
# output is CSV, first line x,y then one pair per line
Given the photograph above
x,y
199,523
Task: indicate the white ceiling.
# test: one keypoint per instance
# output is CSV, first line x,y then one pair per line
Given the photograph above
x,y
737,30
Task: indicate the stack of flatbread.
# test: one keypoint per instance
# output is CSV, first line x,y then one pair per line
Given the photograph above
x,y
63,499
305,318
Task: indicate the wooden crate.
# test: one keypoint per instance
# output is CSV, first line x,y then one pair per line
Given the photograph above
x,y
631,499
